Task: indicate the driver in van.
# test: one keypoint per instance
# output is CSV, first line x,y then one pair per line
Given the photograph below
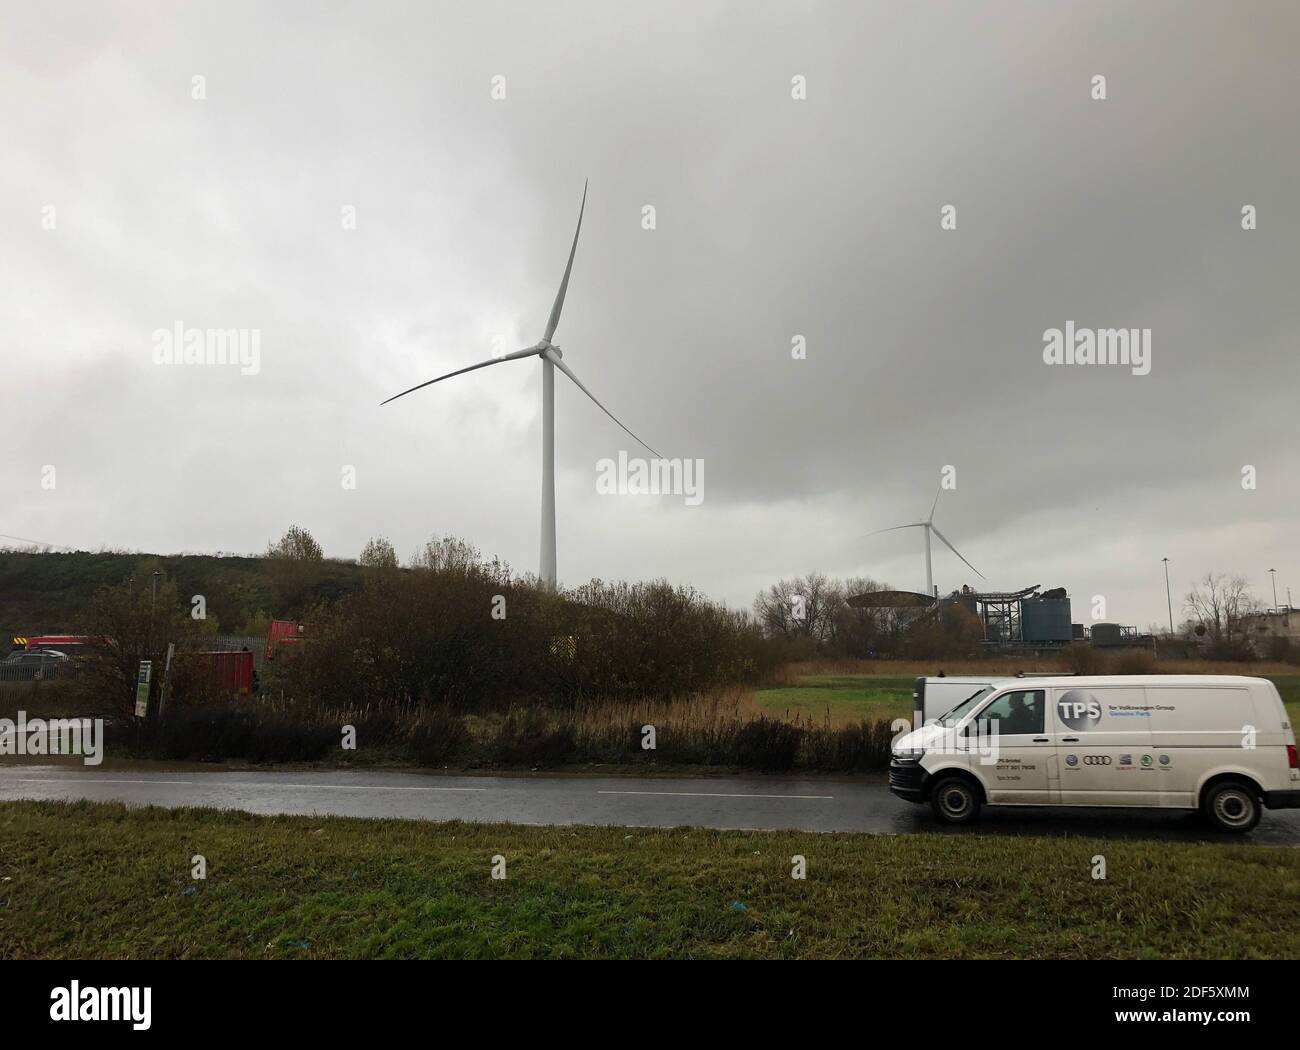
x,y
1021,718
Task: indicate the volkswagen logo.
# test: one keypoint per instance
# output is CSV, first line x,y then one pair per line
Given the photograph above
x,y
1071,760
1096,760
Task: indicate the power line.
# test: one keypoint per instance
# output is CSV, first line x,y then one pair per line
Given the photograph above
x,y
35,543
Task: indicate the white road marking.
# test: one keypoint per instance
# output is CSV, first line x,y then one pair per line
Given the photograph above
x,y
238,784
94,780
713,794
346,787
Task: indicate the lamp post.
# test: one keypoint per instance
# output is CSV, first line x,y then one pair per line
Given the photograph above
x,y
153,598
1168,600
1273,573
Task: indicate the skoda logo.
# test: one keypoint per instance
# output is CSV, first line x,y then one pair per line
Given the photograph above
x,y
1097,760
1078,710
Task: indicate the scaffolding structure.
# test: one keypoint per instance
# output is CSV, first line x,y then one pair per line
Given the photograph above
x,y
1000,614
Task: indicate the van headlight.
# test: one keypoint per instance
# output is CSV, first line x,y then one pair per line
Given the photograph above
x,y
910,754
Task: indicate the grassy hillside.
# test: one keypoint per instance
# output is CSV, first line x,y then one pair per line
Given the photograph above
x,y
327,887
47,593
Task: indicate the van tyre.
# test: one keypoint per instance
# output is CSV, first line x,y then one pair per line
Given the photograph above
x,y
1231,805
955,800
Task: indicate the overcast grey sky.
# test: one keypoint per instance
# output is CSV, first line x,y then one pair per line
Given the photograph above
x,y
775,217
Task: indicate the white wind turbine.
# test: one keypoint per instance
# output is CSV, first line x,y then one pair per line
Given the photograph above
x,y
929,527
551,360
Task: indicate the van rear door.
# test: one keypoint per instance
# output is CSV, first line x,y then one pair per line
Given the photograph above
x,y
1200,730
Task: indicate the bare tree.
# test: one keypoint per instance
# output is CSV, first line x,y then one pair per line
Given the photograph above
x,y
804,607
1221,604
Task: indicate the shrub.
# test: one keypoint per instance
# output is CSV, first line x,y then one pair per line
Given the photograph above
x,y
217,732
1134,661
435,739
861,747
526,739
1082,658
768,744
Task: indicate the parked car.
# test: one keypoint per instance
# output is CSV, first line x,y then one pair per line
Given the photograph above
x,y
28,665
1222,744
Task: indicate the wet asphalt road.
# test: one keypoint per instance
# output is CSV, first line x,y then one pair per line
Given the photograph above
x,y
769,803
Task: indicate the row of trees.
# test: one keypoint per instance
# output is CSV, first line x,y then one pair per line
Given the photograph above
x,y
810,615
457,629
453,630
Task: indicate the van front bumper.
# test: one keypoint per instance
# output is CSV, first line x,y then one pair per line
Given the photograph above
x,y
907,780
1282,799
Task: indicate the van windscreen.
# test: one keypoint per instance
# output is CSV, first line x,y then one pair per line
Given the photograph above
x,y
965,707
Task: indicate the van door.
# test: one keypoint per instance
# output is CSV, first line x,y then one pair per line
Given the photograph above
x,y
1103,736
1015,764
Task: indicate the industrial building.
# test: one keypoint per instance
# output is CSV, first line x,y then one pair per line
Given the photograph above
x,y
1029,620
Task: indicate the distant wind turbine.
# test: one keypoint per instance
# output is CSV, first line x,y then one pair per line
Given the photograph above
x,y
929,527
551,360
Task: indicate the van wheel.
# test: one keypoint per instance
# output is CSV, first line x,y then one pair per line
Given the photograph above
x,y
1231,806
955,801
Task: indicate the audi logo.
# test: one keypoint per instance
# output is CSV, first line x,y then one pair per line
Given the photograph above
x,y
1096,760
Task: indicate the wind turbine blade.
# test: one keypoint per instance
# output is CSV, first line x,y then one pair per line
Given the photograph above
x,y
957,552
895,528
554,358
935,504
531,351
553,323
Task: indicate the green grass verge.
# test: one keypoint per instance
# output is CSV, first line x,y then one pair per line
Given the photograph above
x,y
841,696
98,880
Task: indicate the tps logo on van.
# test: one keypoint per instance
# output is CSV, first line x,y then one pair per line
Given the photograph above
x,y
1078,710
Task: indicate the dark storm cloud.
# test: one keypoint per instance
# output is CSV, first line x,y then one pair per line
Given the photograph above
x,y
775,218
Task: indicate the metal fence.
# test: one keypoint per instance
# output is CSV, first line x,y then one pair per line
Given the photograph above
x,y
51,671
22,682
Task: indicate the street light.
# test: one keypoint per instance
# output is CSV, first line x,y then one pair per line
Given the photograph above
x,y
1273,573
1168,600
153,598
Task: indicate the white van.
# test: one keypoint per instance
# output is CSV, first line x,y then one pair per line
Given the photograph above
x,y
1219,743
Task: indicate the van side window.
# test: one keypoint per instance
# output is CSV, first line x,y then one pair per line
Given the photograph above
x,y
1023,711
